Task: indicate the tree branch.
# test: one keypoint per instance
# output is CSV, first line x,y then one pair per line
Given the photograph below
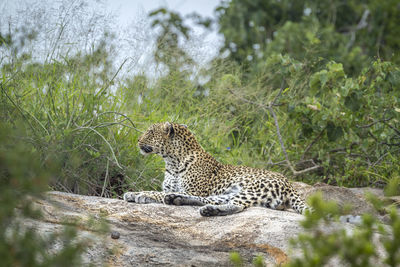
x,y
105,179
361,24
373,123
313,142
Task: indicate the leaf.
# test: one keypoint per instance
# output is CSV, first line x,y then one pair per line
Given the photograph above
x,y
336,67
333,132
318,80
157,11
352,102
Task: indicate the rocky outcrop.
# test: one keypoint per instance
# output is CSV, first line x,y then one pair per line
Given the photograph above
x,y
155,234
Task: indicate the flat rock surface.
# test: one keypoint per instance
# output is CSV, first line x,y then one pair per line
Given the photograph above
x,y
162,235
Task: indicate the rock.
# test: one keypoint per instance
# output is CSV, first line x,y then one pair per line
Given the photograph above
x,y
355,197
156,234
115,235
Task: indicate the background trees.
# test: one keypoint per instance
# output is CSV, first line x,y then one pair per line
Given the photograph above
x,y
342,31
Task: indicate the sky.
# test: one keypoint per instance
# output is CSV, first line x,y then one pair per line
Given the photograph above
x,y
126,9
135,37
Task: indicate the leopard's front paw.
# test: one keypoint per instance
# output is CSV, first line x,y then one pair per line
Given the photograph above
x,y
174,199
129,197
138,197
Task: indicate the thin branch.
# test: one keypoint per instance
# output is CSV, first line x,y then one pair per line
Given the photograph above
x,y
391,127
105,140
112,79
18,108
339,149
278,133
373,123
288,162
373,136
273,103
313,168
361,24
247,101
313,142
115,112
41,125
105,179
383,156
389,144
275,163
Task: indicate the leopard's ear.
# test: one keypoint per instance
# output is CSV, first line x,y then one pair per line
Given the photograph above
x,y
169,129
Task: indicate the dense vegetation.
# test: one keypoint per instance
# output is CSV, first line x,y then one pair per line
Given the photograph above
x,y
307,88
24,177
325,243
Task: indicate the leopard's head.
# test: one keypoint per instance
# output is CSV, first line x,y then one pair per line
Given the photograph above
x,y
165,139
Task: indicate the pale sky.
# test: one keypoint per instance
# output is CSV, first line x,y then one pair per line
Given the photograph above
x,y
135,37
126,9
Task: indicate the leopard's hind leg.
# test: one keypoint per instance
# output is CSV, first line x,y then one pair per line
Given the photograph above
x,y
235,204
184,199
220,210
269,197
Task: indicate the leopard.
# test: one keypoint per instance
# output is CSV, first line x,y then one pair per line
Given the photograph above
x,y
194,177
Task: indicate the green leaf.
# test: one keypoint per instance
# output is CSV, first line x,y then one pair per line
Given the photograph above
x,y
334,132
352,102
318,80
336,70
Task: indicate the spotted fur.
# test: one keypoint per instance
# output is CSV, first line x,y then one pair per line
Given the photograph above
x,y
194,177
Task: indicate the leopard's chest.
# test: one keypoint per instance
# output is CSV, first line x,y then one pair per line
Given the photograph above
x,y
193,175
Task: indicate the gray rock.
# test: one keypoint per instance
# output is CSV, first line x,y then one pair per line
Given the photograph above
x,y
156,234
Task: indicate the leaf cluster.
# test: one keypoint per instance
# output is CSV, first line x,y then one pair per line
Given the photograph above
x,y
358,247
23,178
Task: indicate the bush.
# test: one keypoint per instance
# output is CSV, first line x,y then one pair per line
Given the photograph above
x,y
24,177
359,247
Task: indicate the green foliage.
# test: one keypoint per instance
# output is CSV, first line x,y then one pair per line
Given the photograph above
x,y
349,32
393,185
168,50
24,177
346,125
359,247
258,261
238,261
70,113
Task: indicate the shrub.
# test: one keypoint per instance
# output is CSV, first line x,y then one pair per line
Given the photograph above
x,y
24,177
359,247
